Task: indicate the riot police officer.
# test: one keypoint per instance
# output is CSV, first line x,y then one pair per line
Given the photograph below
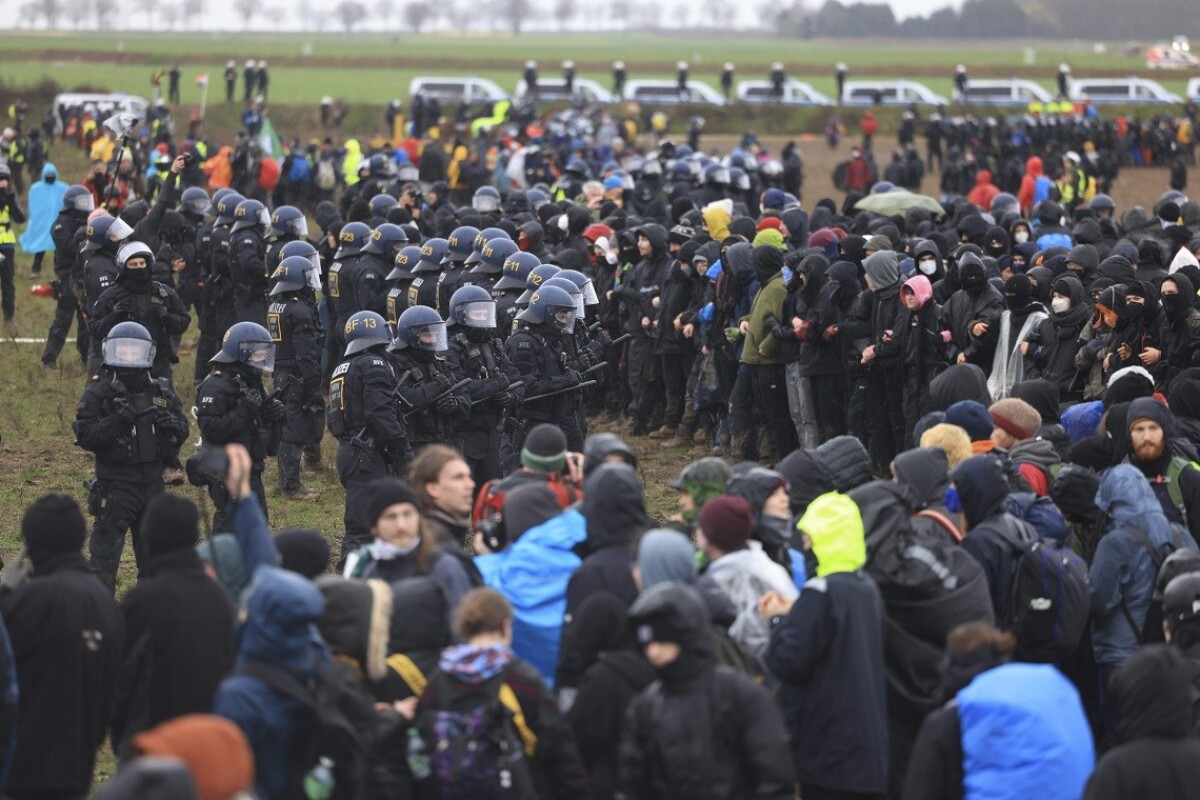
x,y
295,327
540,274
486,273
576,356
459,246
513,277
234,408
536,350
476,354
418,355
189,280
210,337
248,261
397,281
423,290
219,288
375,263
133,423
96,268
351,240
136,297
364,417
66,232
288,224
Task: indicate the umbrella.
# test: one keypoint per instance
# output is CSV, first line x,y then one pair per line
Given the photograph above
x,y
897,202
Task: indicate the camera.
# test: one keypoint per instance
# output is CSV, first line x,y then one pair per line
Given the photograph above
x,y
188,159
207,465
493,532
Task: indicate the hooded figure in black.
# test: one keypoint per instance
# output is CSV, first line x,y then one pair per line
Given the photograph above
x,y
925,473
829,351
1082,262
1055,341
1117,269
1156,754
701,729
1140,330
1182,334
615,511
1043,395
972,315
1185,405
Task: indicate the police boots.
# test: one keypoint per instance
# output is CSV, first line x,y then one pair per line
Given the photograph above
x,y
289,474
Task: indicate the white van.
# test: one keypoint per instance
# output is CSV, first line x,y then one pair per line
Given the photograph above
x,y
99,103
1011,92
795,93
553,90
457,90
666,93
1121,90
890,93
1193,89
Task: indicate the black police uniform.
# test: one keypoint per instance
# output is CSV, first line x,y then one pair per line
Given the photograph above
x,y
396,299
99,272
370,289
506,309
274,247
423,290
248,267
538,354
295,327
67,235
206,318
151,304
452,277
234,408
133,423
372,438
429,375
481,359
340,281
218,291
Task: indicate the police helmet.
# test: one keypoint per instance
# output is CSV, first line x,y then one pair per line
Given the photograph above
x,y
539,275
364,330
1103,202
386,240
78,198
537,197
716,175
421,328
1181,601
1181,562
247,343
433,252
550,305
486,199
378,164
227,206
577,167
1002,204
495,253
570,288
584,284
131,250
381,204
515,273
193,202
217,196
473,307
128,345
301,248
652,168
680,171
485,236
770,169
408,173
289,220
738,179
460,244
405,260
352,239
251,214
291,275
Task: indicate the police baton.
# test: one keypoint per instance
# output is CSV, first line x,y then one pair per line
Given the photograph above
x,y
485,397
624,337
595,368
576,387
458,387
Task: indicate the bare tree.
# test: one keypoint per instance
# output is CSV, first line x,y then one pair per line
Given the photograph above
x,y
515,12
148,6
351,13
563,11
622,12
191,11
105,10
416,14
247,10
385,10
50,10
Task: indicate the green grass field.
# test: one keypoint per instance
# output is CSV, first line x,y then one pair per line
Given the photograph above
x,y
373,68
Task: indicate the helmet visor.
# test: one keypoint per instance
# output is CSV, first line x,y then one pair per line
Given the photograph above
x,y
82,202
260,355
119,230
485,203
480,314
429,337
564,319
132,353
589,294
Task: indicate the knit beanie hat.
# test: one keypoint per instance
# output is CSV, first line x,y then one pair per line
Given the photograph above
x,y
972,417
303,551
545,449
170,523
214,749
1016,418
727,522
384,494
769,222
770,237
878,243
52,525
777,199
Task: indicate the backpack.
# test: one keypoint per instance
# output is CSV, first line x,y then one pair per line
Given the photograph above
x,y
839,175
333,735
731,654
298,172
1152,627
1050,602
478,740
1174,490
326,175
268,174
943,521
490,501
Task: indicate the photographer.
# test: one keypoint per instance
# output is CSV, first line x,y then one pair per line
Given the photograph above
x,y
10,214
133,423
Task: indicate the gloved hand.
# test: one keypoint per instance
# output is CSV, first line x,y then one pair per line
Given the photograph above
x,y
160,310
571,377
444,379
508,400
275,411
253,400
123,410
776,329
447,406
121,308
501,379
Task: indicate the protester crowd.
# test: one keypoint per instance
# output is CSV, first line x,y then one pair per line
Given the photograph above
x,y
970,568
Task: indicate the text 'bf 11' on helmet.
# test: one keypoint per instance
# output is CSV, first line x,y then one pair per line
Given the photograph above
x,y
352,239
485,199
432,254
251,214
460,244
473,307
386,240
289,220
515,273
247,343
292,275
493,256
421,328
486,235
406,261
550,306
365,330
128,346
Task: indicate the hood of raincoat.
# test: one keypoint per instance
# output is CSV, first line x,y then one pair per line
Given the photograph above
x,y
981,487
1152,692
926,473
834,525
613,506
280,611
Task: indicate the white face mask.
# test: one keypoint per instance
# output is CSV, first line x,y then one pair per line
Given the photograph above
x,y
927,266
1021,236
611,258
1060,304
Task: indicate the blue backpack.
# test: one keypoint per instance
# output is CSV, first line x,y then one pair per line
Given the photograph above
x,y
299,171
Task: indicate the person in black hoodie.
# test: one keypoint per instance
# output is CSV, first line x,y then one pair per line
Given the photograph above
x,y
1182,334
701,729
1051,347
1043,396
972,315
829,352
1139,336
1185,405
1156,752
674,352
959,382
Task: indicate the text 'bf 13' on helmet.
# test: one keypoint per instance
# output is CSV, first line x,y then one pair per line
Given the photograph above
x,y
247,343
128,346
364,330
293,274
289,220
550,305
352,239
107,229
421,328
515,272
473,307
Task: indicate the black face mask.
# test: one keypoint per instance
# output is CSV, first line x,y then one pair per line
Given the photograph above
x,y
50,178
137,278
1171,302
1135,311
